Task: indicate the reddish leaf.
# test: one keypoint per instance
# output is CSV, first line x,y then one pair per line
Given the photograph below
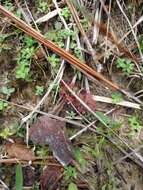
x,y
19,151
84,95
50,177
50,131
87,98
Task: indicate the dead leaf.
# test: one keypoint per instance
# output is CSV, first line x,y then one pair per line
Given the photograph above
x,y
19,151
50,177
88,99
50,131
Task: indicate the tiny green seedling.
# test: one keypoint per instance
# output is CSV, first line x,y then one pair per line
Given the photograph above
x,y
72,186
71,114
43,6
116,97
5,133
3,105
126,65
70,173
135,126
24,59
8,5
9,130
7,91
65,12
42,151
39,90
79,157
54,62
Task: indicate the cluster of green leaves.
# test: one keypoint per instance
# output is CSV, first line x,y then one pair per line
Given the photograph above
x,y
24,59
76,50
65,12
42,151
54,61
125,65
9,130
135,126
7,91
72,186
116,97
79,157
59,36
8,5
42,6
39,90
3,105
70,174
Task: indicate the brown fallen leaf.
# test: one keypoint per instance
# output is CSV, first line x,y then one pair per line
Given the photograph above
x,y
19,151
50,177
87,97
50,131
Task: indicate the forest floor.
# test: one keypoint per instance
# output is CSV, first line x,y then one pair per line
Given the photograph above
x,y
71,111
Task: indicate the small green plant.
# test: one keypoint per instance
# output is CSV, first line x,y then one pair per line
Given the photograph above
x,y
71,114
43,6
59,36
24,59
72,186
39,90
135,126
54,61
9,130
70,173
5,133
85,24
3,105
7,91
8,5
42,151
65,12
116,97
79,158
126,65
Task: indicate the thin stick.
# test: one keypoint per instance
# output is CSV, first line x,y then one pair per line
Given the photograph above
x,y
122,103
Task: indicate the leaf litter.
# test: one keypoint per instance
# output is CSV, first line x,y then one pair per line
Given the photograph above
x,y
47,131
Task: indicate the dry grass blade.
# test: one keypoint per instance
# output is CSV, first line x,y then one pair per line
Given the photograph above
x,y
61,52
122,103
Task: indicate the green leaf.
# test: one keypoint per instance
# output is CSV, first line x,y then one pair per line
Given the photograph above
x,y
116,97
70,172
72,186
6,133
3,105
7,91
39,90
103,118
19,178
